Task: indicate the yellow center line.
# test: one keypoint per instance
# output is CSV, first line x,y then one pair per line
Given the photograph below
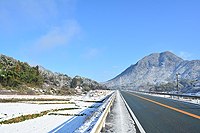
x,y
181,111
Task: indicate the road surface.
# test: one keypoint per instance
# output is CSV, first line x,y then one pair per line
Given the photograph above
x,y
161,115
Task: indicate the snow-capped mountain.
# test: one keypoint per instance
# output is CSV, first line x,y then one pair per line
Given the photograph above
x,y
157,68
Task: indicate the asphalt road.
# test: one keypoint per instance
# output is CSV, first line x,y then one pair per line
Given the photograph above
x,y
161,115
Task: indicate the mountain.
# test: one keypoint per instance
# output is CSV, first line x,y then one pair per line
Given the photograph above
x,y
56,80
59,80
21,77
158,69
14,73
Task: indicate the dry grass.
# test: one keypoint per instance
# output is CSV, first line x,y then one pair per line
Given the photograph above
x,y
13,100
32,116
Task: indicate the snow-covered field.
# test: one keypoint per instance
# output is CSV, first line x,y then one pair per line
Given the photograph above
x,y
34,97
38,125
17,109
49,123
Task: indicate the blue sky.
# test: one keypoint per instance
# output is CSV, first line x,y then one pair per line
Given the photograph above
x,y
97,39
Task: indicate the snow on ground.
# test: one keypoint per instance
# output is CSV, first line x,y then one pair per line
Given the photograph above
x,y
95,95
86,119
34,97
38,125
50,123
17,109
119,120
94,117
75,122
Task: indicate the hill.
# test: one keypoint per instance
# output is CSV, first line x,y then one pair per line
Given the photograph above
x,y
19,76
158,71
14,73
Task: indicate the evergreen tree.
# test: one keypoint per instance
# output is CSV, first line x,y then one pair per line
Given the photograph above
x,y
74,83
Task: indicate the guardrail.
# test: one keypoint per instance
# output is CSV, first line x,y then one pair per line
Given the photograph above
x,y
181,95
101,122
178,95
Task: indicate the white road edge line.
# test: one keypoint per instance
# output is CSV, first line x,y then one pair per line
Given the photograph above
x,y
134,117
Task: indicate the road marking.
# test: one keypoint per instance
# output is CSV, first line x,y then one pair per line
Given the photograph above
x,y
134,117
181,111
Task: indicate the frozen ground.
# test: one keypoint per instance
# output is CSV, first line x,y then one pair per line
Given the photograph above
x,y
119,120
38,125
34,97
49,123
17,109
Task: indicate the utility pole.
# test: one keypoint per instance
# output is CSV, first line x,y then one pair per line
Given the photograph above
x,y
177,83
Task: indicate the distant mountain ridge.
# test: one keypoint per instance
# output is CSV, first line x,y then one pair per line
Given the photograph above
x,y
157,68
21,77
62,80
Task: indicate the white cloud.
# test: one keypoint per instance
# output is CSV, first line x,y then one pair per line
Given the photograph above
x,y
26,15
109,72
58,35
106,77
38,10
184,55
91,53
115,66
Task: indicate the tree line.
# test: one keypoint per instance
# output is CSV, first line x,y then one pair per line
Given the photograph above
x,y
21,73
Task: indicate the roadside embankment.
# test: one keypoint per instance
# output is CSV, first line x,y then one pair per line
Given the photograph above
x,y
119,120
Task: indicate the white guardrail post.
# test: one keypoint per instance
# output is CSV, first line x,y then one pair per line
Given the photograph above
x,y
102,120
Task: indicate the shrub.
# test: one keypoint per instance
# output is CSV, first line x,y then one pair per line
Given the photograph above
x,y
30,92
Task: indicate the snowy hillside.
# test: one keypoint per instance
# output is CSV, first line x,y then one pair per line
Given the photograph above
x,y
157,68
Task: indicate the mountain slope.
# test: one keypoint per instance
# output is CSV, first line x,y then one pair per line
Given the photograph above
x,y
14,73
20,76
157,68
58,80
